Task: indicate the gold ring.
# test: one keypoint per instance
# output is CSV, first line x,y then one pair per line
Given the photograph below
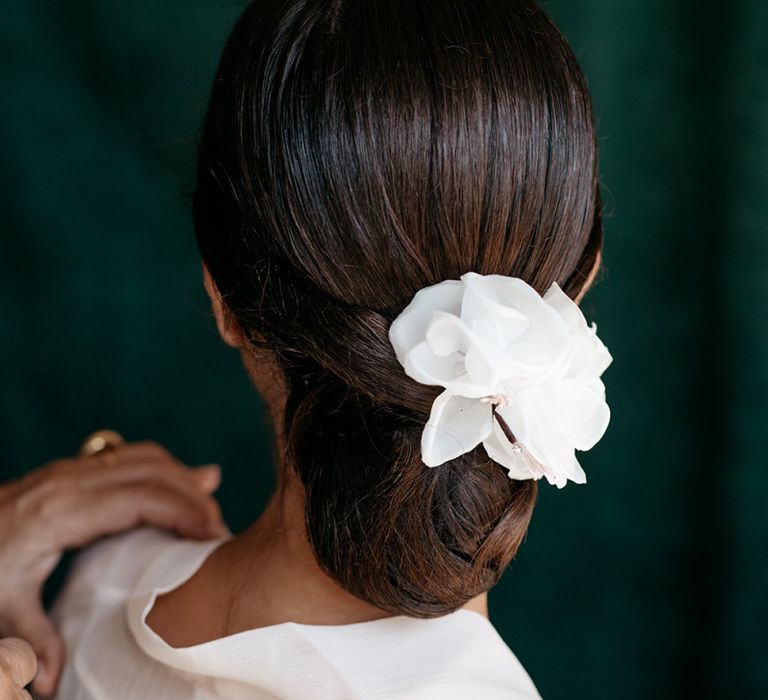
x,y
100,441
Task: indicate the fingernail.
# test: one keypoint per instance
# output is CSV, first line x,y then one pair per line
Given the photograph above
x,y
42,679
208,467
208,477
218,529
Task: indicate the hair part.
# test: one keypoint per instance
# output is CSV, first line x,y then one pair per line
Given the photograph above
x,y
353,153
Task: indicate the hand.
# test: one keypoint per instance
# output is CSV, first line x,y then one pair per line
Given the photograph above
x,y
17,668
72,502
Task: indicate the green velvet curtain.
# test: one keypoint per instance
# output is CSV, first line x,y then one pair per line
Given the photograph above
x,y
650,581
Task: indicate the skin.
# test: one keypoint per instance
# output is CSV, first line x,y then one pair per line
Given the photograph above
x,y
268,574
18,666
69,503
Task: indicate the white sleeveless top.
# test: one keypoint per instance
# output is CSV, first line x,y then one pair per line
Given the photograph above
x,y
114,655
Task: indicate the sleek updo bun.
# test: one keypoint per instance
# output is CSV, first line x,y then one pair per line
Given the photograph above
x,y
353,153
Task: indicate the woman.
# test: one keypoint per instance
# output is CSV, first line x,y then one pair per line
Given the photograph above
x,y
381,185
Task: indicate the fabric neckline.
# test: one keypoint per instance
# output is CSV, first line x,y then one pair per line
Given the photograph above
x,y
184,559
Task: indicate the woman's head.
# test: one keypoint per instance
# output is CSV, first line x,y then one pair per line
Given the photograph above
x,y
353,153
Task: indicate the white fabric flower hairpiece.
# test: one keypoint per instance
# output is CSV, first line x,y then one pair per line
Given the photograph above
x,y
521,374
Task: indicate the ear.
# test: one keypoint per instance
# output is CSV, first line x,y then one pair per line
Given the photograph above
x,y
591,278
229,329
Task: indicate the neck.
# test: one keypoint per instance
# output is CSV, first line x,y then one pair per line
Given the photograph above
x,y
265,576
280,580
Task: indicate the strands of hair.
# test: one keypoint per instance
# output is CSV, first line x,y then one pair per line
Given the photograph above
x,y
353,153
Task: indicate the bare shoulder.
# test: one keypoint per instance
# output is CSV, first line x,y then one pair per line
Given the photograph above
x,y
201,592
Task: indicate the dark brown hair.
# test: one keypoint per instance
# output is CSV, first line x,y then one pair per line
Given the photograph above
x,y
353,152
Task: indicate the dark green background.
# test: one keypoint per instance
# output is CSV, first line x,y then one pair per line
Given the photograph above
x,y
649,582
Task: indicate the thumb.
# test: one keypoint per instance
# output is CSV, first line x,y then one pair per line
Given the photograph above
x,y
32,624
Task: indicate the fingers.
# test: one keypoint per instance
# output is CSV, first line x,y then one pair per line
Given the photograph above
x,y
30,623
70,503
18,665
207,477
199,481
123,506
134,461
116,464
151,464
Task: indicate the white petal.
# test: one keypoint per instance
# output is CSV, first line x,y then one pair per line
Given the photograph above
x,y
581,412
484,361
497,447
565,306
546,335
446,334
501,296
573,471
487,365
408,329
456,425
533,421
590,357
424,366
440,359
482,300
526,336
